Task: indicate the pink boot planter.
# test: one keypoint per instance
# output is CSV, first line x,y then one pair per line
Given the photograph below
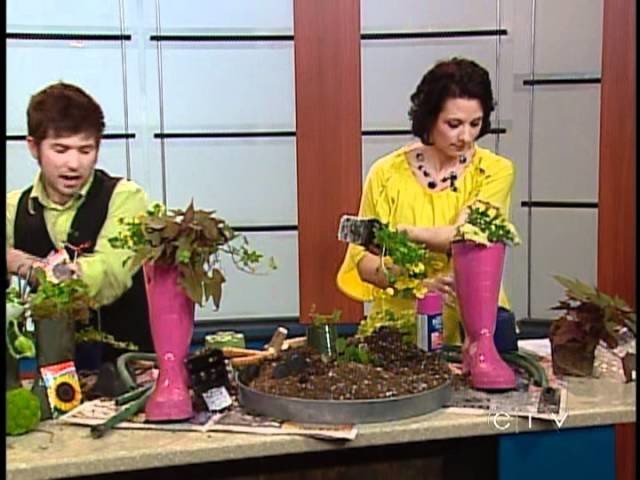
x,y
171,316
466,360
478,272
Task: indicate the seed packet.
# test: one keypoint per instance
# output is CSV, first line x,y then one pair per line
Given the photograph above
x,y
63,387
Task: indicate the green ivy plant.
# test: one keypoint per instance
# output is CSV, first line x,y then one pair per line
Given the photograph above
x,y
192,240
413,263
485,224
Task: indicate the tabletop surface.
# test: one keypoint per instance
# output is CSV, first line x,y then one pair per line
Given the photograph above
x,y
68,450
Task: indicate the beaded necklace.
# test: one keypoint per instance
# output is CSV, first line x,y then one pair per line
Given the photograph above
x,y
433,182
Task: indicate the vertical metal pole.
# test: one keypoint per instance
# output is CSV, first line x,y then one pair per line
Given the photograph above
x,y
497,79
161,103
530,156
125,97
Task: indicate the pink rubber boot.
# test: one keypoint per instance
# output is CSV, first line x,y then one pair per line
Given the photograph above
x,y
171,315
478,271
466,360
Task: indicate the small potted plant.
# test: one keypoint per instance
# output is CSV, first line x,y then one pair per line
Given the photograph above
x,y
590,316
478,252
180,252
56,307
322,333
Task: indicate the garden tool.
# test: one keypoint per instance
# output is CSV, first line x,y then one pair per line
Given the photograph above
x,y
171,317
241,357
478,272
135,401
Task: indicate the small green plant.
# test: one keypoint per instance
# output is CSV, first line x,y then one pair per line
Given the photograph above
x,y
320,319
404,321
406,264
349,352
65,299
485,224
19,341
191,239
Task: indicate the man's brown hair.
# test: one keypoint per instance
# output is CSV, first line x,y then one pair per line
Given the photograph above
x,y
63,109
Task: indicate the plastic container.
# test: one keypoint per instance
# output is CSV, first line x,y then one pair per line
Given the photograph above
x,y
429,322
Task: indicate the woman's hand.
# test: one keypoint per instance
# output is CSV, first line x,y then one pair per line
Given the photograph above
x,y
437,239
444,284
410,230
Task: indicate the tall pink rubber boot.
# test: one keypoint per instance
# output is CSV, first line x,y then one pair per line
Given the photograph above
x,y
171,315
478,271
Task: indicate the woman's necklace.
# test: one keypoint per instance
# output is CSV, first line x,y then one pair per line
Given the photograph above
x,y
433,181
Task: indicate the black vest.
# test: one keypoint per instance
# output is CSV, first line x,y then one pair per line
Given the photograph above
x,y
127,319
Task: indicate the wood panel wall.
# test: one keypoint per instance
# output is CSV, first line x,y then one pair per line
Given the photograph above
x,y
328,145
617,182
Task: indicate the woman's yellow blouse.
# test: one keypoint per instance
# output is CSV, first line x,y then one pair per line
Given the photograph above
x,y
393,195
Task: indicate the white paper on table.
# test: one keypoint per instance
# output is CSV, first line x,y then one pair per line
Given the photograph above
x,y
539,346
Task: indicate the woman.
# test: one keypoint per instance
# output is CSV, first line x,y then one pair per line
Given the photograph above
x,y
423,188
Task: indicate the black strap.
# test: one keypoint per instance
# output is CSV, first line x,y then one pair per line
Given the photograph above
x,y
30,228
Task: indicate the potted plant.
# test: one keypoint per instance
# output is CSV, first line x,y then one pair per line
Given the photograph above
x,y
478,252
590,316
55,308
180,252
322,333
19,342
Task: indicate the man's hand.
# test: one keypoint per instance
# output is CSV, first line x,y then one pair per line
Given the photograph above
x,y
19,262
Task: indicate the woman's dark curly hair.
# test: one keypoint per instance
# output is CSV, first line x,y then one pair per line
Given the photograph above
x,y
454,78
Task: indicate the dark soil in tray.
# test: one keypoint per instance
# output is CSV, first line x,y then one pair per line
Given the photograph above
x,y
396,369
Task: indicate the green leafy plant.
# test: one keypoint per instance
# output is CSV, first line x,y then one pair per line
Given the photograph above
x,y
19,341
406,264
320,319
350,352
485,224
65,299
91,334
191,239
404,321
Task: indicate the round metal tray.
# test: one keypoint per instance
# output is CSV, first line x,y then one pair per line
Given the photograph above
x,y
343,411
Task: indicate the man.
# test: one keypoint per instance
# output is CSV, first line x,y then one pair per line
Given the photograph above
x,y
73,205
